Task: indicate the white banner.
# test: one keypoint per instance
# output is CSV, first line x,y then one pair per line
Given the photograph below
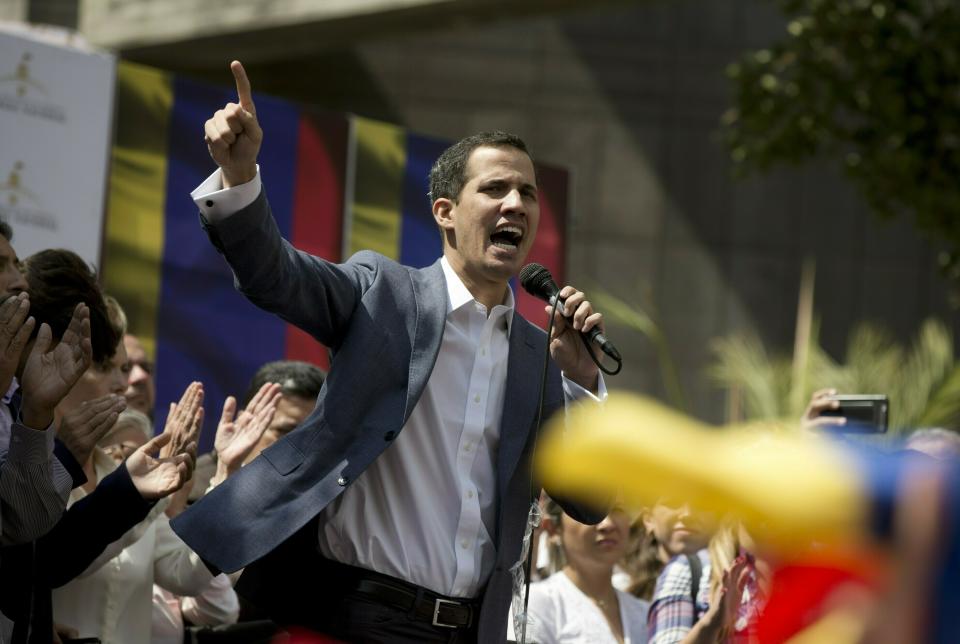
x,y
56,112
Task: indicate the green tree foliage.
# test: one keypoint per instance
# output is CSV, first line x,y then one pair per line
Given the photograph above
x,y
922,381
871,84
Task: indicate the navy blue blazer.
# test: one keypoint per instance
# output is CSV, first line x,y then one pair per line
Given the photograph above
x,y
383,323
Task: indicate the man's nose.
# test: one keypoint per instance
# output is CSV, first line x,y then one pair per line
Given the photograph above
x,y
119,383
18,282
137,374
512,201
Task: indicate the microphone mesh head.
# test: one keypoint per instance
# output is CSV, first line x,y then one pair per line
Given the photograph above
x,y
537,281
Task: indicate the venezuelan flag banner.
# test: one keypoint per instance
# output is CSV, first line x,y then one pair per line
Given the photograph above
x,y
337,184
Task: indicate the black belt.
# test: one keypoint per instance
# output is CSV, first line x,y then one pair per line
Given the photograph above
x,y
422,604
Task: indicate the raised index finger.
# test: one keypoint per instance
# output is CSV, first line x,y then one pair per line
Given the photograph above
x,y
244,93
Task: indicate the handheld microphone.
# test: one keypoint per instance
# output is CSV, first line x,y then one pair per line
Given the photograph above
x,y
538,282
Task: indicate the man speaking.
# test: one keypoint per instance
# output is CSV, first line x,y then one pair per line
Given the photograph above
x,y
394,513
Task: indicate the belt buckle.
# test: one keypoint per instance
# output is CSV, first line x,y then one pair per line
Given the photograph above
x,y
436,612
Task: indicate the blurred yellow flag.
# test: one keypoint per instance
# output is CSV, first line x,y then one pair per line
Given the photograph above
x,y
788,488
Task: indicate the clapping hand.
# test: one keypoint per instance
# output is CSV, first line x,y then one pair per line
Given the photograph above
x,y
82,428
156,477
184,421
236,437
50,373
233,134
15,330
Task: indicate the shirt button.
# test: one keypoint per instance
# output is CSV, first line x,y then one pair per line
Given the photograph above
x,y
476,398
466,447
469,494
464,544
209,203
483,352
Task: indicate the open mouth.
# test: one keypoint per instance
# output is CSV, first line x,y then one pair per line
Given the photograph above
x,y
507,237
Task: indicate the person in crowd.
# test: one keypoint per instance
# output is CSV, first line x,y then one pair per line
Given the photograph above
x,y
141,390
34,483
12,281
300,384
411,476
670,529
216,603
57,281
704,599
579,603
112,599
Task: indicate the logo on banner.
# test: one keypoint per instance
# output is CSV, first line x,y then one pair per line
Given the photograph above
x,y
21,92
20,205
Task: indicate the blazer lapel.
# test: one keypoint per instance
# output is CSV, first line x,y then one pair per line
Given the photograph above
x,y
524,369
430,296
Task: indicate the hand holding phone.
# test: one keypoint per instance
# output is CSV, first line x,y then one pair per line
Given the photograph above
x,y
864,413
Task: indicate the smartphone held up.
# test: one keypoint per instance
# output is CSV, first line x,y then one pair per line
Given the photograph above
x,y
865,413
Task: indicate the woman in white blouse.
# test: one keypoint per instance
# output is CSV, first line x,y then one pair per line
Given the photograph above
x,y
579,604
112,599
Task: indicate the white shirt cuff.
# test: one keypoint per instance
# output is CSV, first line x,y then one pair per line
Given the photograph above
x,y
217,203
573,391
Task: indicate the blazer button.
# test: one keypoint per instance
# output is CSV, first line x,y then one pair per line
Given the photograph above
x,y
389,436
342,481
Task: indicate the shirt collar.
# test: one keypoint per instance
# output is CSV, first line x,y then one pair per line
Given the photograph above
x,y
459,295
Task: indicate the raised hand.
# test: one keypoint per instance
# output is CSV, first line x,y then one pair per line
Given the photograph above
x,y
156,477
15,330
233,134
821,401
237,437
566,347
82,428
727,595
49,374
184,421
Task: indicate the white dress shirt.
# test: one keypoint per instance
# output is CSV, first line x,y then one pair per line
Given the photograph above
x,y
425,511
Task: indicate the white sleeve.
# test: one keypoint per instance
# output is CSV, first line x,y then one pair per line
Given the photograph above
x,y
217,203
216,605
542,627
176,567
573,392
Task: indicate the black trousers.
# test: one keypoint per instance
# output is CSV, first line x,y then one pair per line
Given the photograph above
x,y
296,587
358,619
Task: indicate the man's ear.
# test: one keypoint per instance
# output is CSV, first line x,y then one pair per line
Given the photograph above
x,y
443,213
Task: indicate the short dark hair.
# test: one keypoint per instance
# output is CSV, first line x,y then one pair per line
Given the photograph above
x,y
58,280
295,378
449,172
6,231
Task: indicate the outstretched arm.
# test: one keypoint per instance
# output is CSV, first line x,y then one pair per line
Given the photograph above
x,y
315,295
